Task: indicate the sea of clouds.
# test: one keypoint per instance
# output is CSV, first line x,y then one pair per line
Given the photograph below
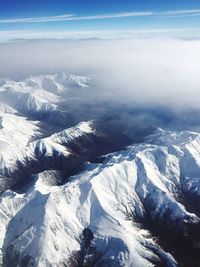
x,y
142,71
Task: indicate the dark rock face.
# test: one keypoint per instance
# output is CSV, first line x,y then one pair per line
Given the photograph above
x,y
108,137
184,246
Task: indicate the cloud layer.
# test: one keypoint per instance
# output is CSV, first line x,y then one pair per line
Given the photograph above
x,y
145,71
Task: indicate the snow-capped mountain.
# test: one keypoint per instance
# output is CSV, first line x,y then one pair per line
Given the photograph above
x,y
40,93
77,192
118,202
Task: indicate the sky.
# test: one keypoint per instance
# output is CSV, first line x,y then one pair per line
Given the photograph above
x,y
57,19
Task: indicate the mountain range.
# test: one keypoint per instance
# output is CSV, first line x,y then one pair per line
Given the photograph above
x,y
82,184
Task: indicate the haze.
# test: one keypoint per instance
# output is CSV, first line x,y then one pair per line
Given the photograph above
x,y
146,71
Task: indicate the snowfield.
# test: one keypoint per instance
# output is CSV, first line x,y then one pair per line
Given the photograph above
x,y
62,204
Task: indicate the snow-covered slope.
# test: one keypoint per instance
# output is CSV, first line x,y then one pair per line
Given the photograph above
x,y
40,93
23,153
64,203
22,124
99,217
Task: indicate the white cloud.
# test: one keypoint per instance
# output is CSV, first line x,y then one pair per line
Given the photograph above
x,y
182,12
147,71
72,17
37,19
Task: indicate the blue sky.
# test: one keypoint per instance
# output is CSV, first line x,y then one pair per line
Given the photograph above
x,y
97,15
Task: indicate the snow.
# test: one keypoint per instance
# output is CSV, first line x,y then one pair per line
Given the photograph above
x,y
101,198
42,226
19,100
40,93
